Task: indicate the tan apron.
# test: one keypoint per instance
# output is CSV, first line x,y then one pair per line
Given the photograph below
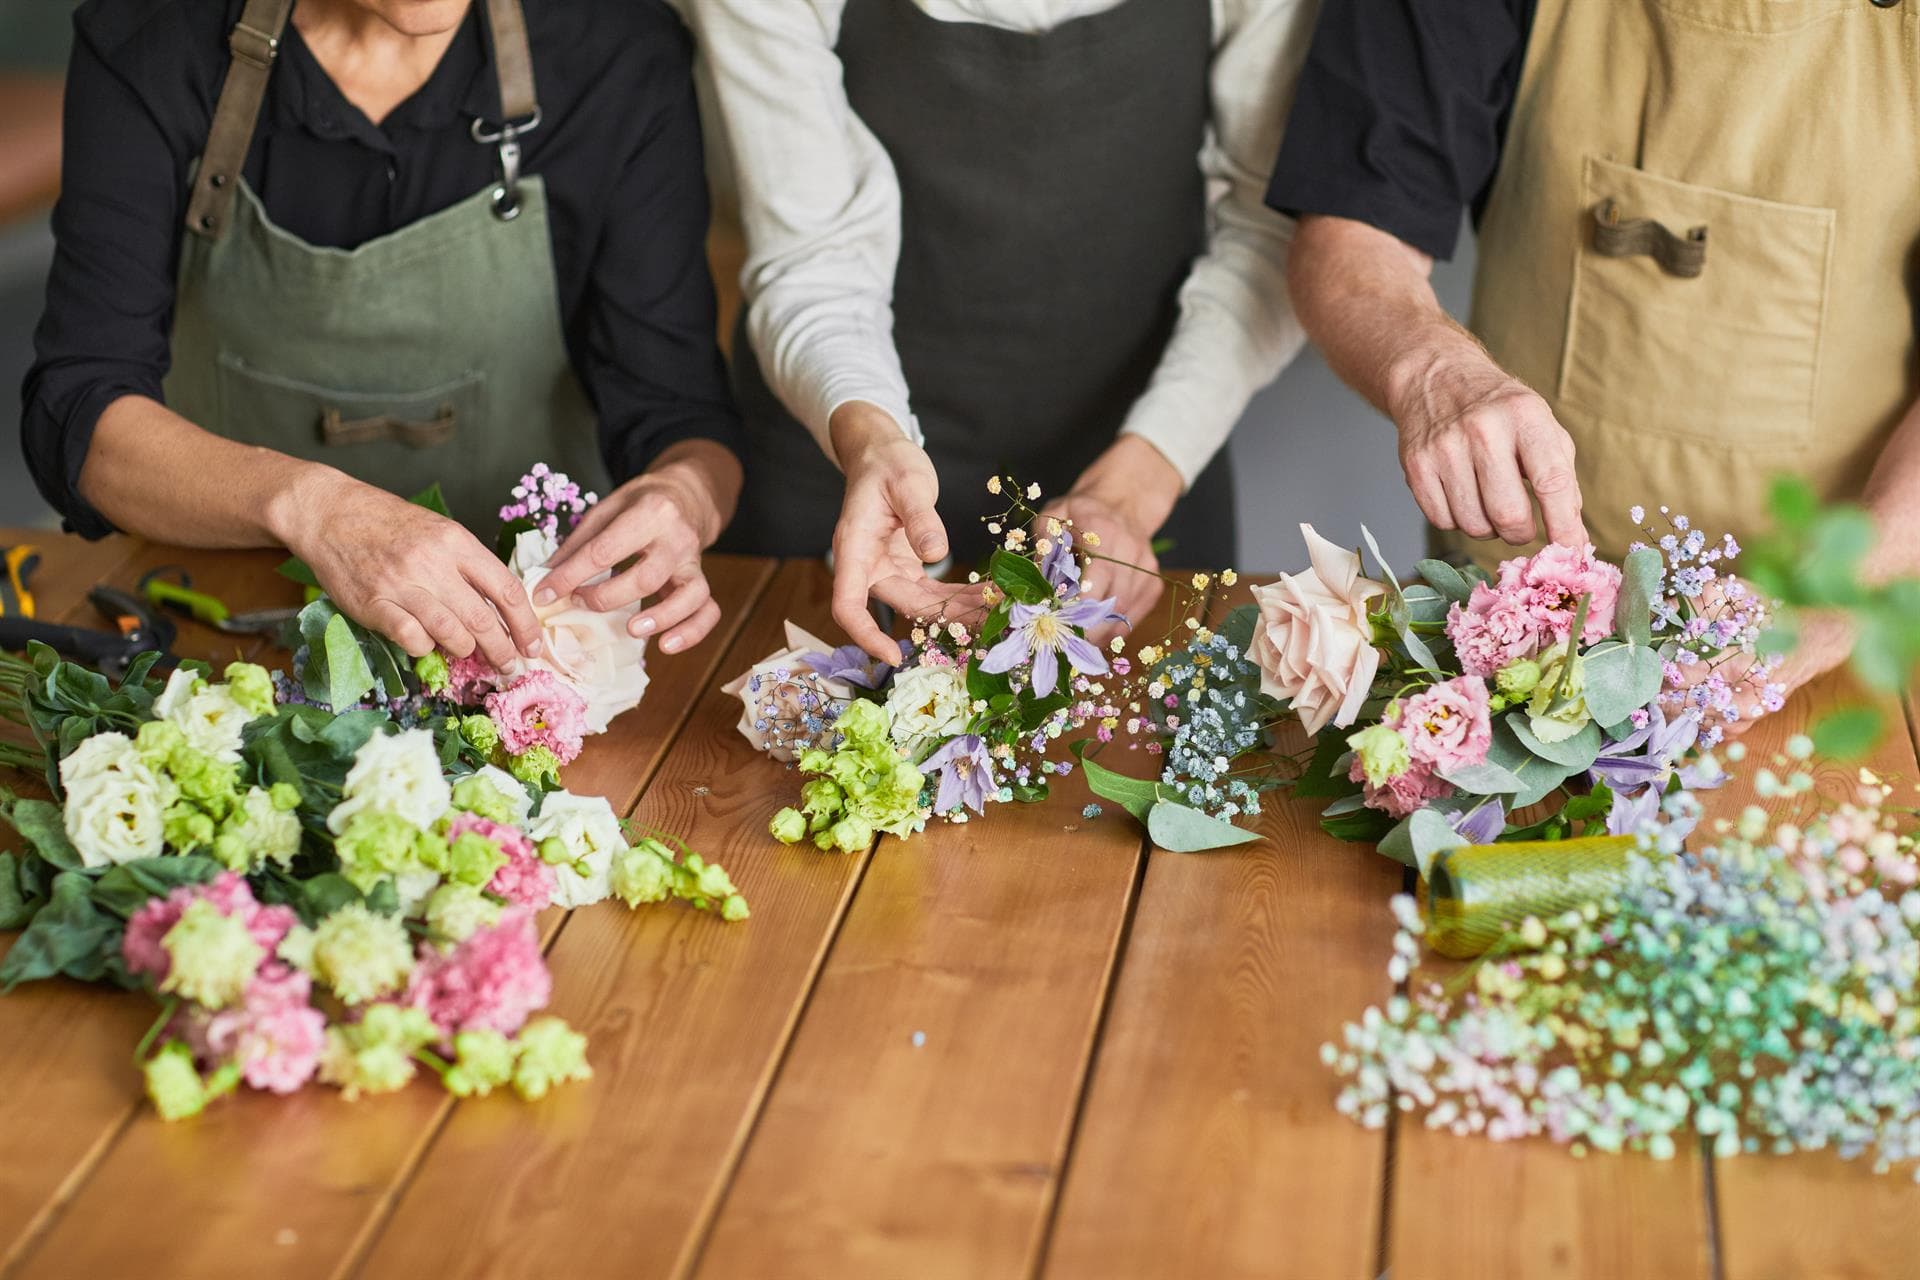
x,y
1701,244
434,354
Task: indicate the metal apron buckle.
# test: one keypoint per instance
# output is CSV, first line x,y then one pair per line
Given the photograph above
x,y
506,196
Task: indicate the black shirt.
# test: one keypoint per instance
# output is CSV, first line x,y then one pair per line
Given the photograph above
x,y
619,149
1401,113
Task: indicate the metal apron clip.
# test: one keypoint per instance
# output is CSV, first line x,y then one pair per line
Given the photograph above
x,y
506,196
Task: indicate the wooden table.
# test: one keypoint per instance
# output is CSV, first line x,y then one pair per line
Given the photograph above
x,y
1025,1046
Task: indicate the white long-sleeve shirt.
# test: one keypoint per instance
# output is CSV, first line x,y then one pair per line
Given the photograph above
x,y
820,204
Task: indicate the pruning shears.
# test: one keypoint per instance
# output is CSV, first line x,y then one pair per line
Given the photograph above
x,y
171,587
17,565
134,629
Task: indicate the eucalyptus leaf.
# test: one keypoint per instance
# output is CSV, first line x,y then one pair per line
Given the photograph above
x,y
1134,795
1180,828
1620,679
1575,754
1484,779
1362,826
1445,579
1639,580
1425,603
1344,805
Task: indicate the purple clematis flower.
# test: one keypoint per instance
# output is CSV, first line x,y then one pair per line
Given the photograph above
x,y
1060,567
1039,633
854,665
1483,823
966,774
1632,815
1645,758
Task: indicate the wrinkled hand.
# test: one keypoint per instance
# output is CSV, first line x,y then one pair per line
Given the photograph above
x,y
414,576
1825,643
1474,441
662,521
889,531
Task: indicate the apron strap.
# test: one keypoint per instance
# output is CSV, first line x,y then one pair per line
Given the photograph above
x,y
255,44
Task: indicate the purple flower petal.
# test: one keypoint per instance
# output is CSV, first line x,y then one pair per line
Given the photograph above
x,y
1006,655
1085,658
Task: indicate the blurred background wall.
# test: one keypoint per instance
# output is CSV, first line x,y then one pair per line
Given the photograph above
x,y
1308,449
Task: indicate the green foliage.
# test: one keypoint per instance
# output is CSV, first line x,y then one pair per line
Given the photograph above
x,y
1019,577
346,661
1849,733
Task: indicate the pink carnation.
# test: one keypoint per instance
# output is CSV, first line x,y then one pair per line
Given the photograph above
x,y
230,895
1402,795
276,1035
1447,726
539,710
1494,628
471,678
494,980
1552,583
524,880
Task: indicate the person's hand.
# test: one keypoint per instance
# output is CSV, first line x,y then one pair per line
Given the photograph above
x,y
1474,441
889,531
1123,499
416,577
662,520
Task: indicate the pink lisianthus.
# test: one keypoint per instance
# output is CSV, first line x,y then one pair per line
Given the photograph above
x,y
228,893
470,679
1447,726
1494,628
1404,793
1552,582
524,880
275,1035
493,981
539,710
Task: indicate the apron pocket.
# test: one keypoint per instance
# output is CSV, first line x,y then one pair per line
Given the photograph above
x,y
1696,313
360,432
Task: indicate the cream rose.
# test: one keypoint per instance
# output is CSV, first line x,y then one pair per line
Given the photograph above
x,y
589,830
591,651
775,694
1313,642
116,804
926,705
208,715
396,773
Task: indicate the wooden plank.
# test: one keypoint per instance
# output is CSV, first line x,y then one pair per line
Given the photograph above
x,y
1210,1144
67,1082
289,1185
921,1122
69,568
1840,1219
687,1019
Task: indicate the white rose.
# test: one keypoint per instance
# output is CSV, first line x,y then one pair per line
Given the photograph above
x,y
589,830
1313,642
590,650
208,714
398,774
116,807
926,705
510,789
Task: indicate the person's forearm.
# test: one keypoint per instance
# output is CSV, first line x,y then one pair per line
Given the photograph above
x,y
154,473
1366,301
1893,496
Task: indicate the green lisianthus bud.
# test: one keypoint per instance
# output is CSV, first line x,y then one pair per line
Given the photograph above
x,y
374,846
455,911
549,1053
481,733
1518,679
189,828
173,1083
537,767
285,796
157,740
789,826
431,671
1557,720
1383,753
851,834
641,875
734,909
483,1061
482,798
554,851
213,956
863,722
251,687
820,797
473,859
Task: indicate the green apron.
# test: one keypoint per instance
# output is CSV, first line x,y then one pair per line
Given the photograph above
x,y
434,353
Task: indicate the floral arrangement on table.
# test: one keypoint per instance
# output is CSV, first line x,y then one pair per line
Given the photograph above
x,y
989,702
1758,994
342,892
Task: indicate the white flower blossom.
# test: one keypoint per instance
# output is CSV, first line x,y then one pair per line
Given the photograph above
x,y
397,774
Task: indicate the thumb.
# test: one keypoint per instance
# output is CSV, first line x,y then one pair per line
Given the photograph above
x,y
924,530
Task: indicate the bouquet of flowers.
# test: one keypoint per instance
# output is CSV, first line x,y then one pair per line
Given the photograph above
x,y
1567,687
1758,994
341,892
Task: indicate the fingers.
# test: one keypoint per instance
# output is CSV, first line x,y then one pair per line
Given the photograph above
x,y
482,625
914,509
648,575
439,621
918,596
695,629
1547,458
397,625
1462,484
590,552
689,595
855,551
1503,495
503,592
1423,479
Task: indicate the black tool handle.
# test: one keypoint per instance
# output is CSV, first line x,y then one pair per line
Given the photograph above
x,y
98,648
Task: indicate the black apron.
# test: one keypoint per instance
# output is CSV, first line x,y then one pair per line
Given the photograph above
x,y
1052,206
